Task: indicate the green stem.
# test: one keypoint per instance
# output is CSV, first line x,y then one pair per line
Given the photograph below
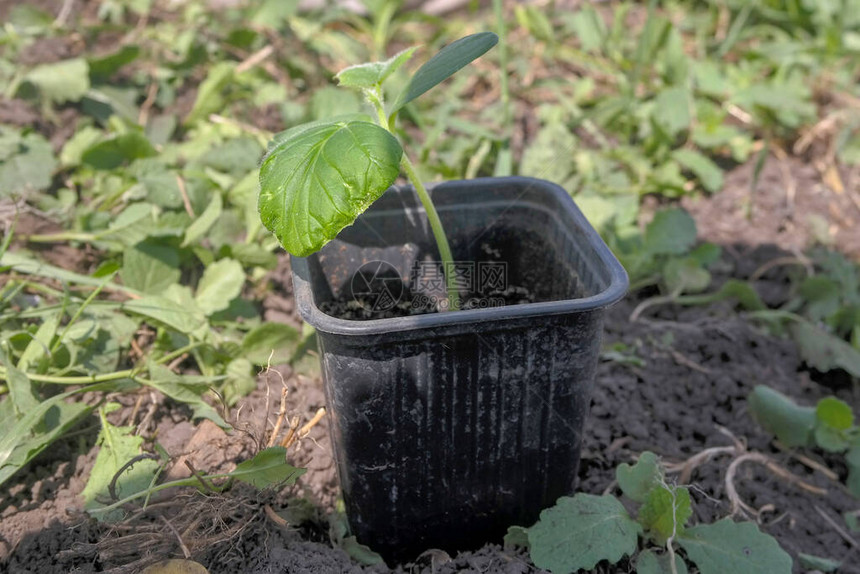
x,y
432,215
61,237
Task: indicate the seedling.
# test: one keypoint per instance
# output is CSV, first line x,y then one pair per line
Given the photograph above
x,y
318,177
565,538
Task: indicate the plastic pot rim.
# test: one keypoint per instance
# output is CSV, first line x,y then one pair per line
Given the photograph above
x,y
614,291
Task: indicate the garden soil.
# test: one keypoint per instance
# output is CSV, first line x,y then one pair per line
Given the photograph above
x,y
676,384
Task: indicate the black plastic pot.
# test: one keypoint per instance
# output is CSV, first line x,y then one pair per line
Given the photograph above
x,y
449,427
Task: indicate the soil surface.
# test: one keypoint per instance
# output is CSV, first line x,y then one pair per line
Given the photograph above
x,y
681,381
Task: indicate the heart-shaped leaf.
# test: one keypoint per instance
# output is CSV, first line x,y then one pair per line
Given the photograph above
x,y
445,64
317,178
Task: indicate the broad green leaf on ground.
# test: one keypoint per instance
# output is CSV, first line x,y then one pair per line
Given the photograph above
x,y
65,81
269,467
579,532
221,283
166,312
727,546
29,266
637,480
319,177
150,267
118,446
672,110
444,64
551,154
115,151
21,392
685,275
366,76
180,389
824,351
649,562
665,512
210,96
239,381
792,424
39,346
817,563
23,438
26,162
834,418
274,13
103,67
589,27
671,232
271,344
705,170
207,219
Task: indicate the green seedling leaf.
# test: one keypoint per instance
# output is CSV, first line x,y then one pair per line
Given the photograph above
x,y
240,381
579,532
21,391
106,66
834,418
649,562
637,481
672,110
221,283
271,344
685,275
150,267
66,81
373,74
26,162
792,424
39,347
113,152
665,512
671,232
118,446
727,546
200,226
210,96
29,266
318,178
267,468
811,562
824,351
516,537
445,64
830,439
359,552
167,313
183,390
705,170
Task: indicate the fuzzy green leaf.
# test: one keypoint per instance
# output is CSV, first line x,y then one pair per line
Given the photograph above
x,y
705,170
183,390
271,344
671,232
118,445
319,177
835,413
516,537
26,162
824,351
665,512
221,283
166,312
648,562
445,64
780,416
267,468
65,81
150,267
365,76
579,532
727,546
637,481
113,152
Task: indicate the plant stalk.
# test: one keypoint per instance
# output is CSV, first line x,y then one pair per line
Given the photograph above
x,y
432,215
